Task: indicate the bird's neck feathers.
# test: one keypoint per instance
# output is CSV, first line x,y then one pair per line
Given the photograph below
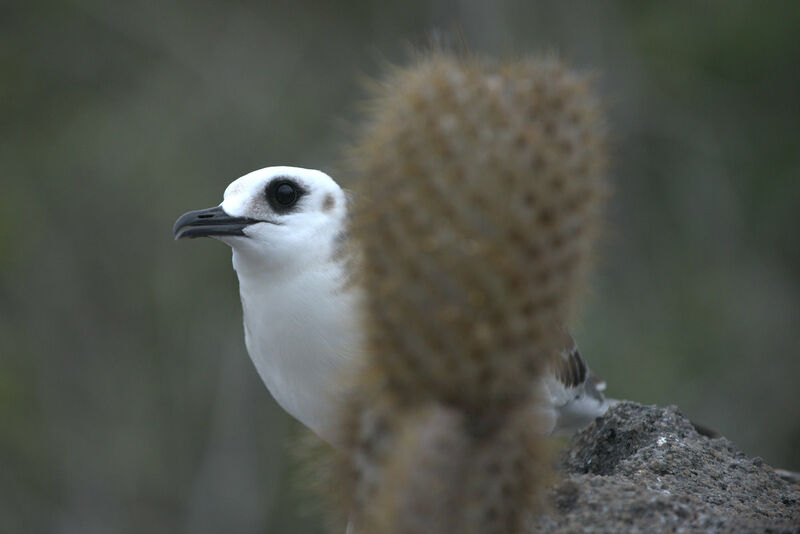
x,y
324,269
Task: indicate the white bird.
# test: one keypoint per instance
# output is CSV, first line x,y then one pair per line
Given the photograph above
x,y
287,227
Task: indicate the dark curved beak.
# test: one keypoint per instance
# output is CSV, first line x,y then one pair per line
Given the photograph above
x,y
209,222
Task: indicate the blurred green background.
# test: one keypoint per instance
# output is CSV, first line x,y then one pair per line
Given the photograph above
x,y
127,400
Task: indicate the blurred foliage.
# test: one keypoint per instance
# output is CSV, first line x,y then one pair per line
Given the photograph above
x,y
127,401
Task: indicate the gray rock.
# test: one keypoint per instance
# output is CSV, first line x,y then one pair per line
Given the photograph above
x,y
646,469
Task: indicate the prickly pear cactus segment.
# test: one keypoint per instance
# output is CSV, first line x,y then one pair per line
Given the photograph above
x,y
447,472
481,185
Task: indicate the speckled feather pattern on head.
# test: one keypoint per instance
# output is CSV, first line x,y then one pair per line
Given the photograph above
x,y
483,183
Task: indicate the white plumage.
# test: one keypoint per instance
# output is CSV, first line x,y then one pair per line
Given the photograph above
x,y
287,227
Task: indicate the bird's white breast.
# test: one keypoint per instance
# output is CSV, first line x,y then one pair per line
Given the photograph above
x,y
301,334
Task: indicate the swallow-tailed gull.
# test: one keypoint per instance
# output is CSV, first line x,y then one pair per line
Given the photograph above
x,y
287,227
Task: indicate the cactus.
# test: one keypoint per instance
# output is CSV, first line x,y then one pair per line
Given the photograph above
x,y
481,185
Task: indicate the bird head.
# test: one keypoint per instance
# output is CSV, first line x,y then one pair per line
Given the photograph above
x,y
273,217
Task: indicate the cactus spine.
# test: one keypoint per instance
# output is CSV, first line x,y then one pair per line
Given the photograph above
x,y
481,184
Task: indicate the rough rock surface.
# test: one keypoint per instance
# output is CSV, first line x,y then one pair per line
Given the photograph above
x,y
646,469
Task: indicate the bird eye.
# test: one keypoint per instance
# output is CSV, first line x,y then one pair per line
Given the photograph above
x,y
283,194
286,194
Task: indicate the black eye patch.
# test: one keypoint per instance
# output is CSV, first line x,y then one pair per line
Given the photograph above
x,y
283,194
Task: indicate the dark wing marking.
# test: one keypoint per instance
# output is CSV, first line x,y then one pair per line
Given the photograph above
x,y
570,368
